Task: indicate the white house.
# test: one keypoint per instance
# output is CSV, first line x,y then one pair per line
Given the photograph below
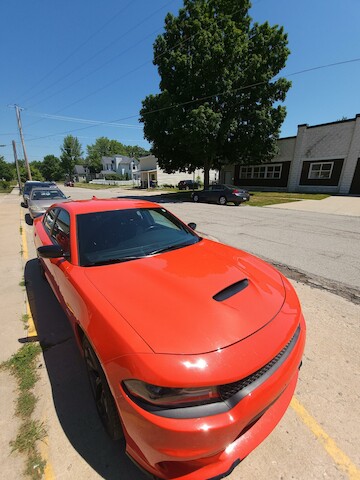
x,y
323,158
151,174
120,165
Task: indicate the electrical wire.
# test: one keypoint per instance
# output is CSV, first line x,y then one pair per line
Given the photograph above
x,y
78,67
78,48
307,70
183,41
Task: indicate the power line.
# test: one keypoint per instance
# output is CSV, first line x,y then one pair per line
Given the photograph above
x,y
183,41
96,69
82,120
320,67
78,48
78,67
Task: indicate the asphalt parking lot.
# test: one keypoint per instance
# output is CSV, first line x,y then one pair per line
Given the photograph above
x,y
316,439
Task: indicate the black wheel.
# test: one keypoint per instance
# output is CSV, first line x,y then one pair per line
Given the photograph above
x,y
41,269
104,400
196,198
222,200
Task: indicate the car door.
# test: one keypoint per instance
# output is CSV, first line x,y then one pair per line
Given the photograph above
x,y
214,191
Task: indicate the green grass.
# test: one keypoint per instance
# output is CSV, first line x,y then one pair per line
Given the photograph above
x,y
262,199
94,186
23,366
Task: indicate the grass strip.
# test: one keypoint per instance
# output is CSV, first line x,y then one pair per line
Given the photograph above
x,y
23,366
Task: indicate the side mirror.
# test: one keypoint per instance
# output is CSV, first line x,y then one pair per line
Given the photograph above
x,y
192,225
51,251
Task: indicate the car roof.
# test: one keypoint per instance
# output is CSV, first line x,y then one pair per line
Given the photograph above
x,y
78,207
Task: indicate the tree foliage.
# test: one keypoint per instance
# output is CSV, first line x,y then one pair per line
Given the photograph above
x,y
104,147
50,168
70,154
6,170
219,101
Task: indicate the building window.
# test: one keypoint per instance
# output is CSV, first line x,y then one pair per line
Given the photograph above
x,y
320,170
261,171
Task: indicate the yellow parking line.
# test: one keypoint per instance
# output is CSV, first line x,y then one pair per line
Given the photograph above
x,y
48,471
339,457
31,325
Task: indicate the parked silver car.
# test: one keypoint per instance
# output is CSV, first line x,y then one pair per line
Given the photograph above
x,y
42,198
29,185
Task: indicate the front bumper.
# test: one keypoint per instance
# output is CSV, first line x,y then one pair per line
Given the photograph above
x,y
209,447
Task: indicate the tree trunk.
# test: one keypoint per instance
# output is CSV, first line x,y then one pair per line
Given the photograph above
x,y
206,173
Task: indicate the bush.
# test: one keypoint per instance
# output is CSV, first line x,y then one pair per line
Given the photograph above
x,y
116,176
4,185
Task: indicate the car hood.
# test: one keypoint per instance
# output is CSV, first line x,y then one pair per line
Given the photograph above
x,y
45,204
168,298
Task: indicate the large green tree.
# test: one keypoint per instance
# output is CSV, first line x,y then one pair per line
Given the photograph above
x,y
50,167
219,99
70,154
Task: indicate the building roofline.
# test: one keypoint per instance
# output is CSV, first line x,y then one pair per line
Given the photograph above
x,y
332,123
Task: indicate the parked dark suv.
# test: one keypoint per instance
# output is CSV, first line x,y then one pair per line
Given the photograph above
x,y
222,194
187,185
29,185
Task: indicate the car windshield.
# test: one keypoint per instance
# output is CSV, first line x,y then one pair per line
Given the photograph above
x,y
122,235
46,194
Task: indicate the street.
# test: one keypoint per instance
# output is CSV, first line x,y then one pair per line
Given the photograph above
x,y
317,438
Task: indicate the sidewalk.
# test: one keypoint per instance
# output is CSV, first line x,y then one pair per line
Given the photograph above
x,y
333,205
12,298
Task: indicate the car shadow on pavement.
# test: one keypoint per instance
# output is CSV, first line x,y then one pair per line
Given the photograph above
x,y
160,198
73,401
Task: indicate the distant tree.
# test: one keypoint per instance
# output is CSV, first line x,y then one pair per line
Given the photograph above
x,y
6,170
219,101
50,167
36,174
103,147
136,151
71,154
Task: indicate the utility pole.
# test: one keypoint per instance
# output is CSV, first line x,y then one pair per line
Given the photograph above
x,y
18,109
17,165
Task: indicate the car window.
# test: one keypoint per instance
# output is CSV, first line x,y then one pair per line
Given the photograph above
x,y
46,194
49,219
123,235
61,231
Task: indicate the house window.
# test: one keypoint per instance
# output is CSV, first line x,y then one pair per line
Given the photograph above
x,y
320,170
261,171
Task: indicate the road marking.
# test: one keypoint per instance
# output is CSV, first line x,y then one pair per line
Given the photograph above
x,y
31,325
340,458
48,471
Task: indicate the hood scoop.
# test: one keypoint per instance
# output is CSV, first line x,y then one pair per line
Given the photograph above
x,y
231,290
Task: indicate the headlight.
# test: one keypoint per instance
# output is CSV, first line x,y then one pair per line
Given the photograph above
x,y
170,397
37,208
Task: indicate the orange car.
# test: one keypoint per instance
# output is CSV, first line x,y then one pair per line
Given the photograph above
x,y
192,347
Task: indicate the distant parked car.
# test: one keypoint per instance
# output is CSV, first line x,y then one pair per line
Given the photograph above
x,y
42,198
29,185
222,194
68,183
187,185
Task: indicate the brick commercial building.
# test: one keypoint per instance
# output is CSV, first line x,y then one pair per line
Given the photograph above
x,y
321,158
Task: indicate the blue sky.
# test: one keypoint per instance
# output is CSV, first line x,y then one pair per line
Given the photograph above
x,y
91,60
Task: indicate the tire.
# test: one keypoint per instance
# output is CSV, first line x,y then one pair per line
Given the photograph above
x,y
104,400
196,198
42,271
222,200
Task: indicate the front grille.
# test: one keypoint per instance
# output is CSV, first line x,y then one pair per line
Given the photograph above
x,y
250,382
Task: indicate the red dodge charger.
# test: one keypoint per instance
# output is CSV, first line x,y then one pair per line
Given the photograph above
x,y
192,347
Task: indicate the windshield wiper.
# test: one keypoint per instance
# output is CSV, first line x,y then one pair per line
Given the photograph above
x,y
111,261
171,247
